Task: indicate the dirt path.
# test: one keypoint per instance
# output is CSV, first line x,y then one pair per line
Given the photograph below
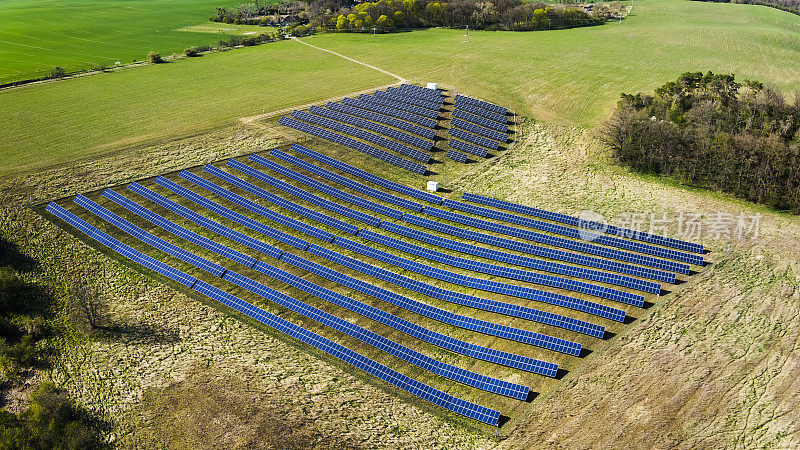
x,y
399,78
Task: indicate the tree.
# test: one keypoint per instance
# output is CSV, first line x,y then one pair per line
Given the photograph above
x,y
57,72
383,21
399,18
154,57
342,23
86,302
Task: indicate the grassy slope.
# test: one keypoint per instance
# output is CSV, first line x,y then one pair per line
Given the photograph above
x,y
84,117
575,76
37,35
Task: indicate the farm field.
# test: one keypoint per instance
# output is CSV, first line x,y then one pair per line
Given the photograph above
x,y
37,35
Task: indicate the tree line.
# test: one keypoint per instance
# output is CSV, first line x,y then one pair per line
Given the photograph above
x,y
707,130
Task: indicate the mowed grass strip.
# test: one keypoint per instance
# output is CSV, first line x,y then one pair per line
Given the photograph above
x,y
575,76
53,123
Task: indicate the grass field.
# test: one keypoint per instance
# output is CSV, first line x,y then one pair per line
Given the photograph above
x,y
87,116
37,35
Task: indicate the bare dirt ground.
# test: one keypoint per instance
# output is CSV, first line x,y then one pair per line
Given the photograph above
x,y
712,364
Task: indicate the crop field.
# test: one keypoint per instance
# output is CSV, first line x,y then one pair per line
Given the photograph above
x,y
37,35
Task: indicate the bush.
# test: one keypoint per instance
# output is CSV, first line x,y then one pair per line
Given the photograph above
x,y
57,72
191,51
154,57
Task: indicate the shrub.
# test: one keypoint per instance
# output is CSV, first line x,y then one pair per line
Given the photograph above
x,y
57,72
191,51
154,57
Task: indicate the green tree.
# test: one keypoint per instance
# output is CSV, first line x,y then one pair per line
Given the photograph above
x,y
342,23
383,21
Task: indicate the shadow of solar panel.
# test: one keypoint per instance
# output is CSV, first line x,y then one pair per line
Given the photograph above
x,y
456,156
355,145
382,118
481,104
397,187
378,128
581,246
501,119
574,232
475,129
482,121
469,148
389,198
473,138
574,221
427,113
394,112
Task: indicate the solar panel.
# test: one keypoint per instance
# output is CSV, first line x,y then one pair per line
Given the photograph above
x,y
422,195
545,252
456,156
424,112
389,198
400,96
382,118
352,143
482,121
469,148
478,283
424,144
362,134
574,221
216,208
581,246
421,92
473,138
501,119
481,104
479,130
299,193
458,298
400,114
322,187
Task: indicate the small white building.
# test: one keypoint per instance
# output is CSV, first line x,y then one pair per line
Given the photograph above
x,y
434,86
433,186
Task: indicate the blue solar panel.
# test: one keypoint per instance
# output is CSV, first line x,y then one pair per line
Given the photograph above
x,y
456,156
581,246
460,99
574,232
424,112
467,147
424,144
541,251
422,195
485,132
574,221
400,96
299,193
482,121
421,92
478,283
355,145
389,198
279,201
400,114
473,138
322,187
362,134
501,119
382,118
216,208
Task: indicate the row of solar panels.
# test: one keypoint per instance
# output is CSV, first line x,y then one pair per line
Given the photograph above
x,y
421,92
393,112
400,96
460,99
426,133
486,285
478,130
404,382
477,111
353,144
397,104
424,144
461,232
482,121
467,147
456,156
422,236
473,138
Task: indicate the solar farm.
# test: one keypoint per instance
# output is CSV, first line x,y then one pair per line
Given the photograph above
x,y
471,304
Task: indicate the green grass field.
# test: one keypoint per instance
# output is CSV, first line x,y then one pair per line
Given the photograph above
x,y
36,35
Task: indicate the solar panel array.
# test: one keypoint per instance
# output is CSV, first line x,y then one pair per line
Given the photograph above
x,y
473,138
469,148
485,132
574,221
414,101
501,119
362,134
394,112
421,92
574,232
352,143
424,144
397,379
456,156
382,118
482,121
460,99
396,104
